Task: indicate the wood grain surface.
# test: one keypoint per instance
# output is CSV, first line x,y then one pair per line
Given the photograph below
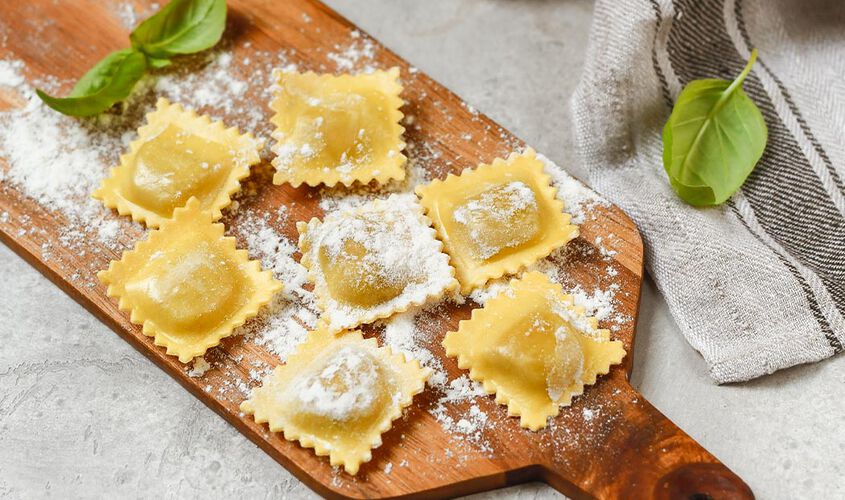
x,y
611,443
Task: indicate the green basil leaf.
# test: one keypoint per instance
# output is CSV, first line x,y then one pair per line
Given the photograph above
x,y
713,139
158,63
111,80
181,27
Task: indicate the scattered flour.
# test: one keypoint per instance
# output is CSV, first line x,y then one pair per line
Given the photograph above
x,y
285,322
577,198
600,303
223,85
200,367
467,425
579,321
484,293
207,86
58,161
126,13
356,56
10,74
274,249
401,334
131,13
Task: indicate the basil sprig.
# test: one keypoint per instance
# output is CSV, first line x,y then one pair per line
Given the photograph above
x,y
713,139
109,81
181,27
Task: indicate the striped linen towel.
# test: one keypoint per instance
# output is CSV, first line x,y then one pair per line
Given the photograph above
x,y
758,284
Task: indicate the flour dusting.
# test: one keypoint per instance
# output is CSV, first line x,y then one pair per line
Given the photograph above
x,y
345,388
577,198
377,258
57,161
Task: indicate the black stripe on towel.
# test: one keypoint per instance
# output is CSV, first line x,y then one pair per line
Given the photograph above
x,y
805,127
664,85
827,331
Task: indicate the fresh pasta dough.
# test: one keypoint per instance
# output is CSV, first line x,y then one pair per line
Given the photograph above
x,y
178,155
498,218
337,394
372,261
533,348
338,129
187,284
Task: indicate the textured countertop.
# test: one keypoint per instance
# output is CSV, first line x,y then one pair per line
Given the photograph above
x,y
82,414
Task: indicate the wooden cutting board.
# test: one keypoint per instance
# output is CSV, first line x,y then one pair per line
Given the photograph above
x,y
611,443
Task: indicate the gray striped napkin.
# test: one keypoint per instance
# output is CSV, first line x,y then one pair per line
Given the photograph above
x,y
758,284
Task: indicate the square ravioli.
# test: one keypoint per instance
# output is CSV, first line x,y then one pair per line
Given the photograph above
x,y
187,284
178,155
533,348
498,218
332,129
372,261
338,395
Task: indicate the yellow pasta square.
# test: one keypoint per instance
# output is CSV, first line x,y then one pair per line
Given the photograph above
x,y
498,218
533,348
372,261
187,284
178,155
332,129
338,395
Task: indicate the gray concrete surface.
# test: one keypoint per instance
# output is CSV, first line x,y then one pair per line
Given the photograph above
x,y
84,415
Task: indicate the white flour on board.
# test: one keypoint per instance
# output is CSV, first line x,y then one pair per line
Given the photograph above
x,y
357,55
10,74
291,314
58,161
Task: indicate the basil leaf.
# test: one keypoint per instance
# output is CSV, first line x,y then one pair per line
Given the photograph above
x,y
158,63
713,139
109,81
181,27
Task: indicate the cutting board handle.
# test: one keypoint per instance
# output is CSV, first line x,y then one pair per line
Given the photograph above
x,y
646,456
